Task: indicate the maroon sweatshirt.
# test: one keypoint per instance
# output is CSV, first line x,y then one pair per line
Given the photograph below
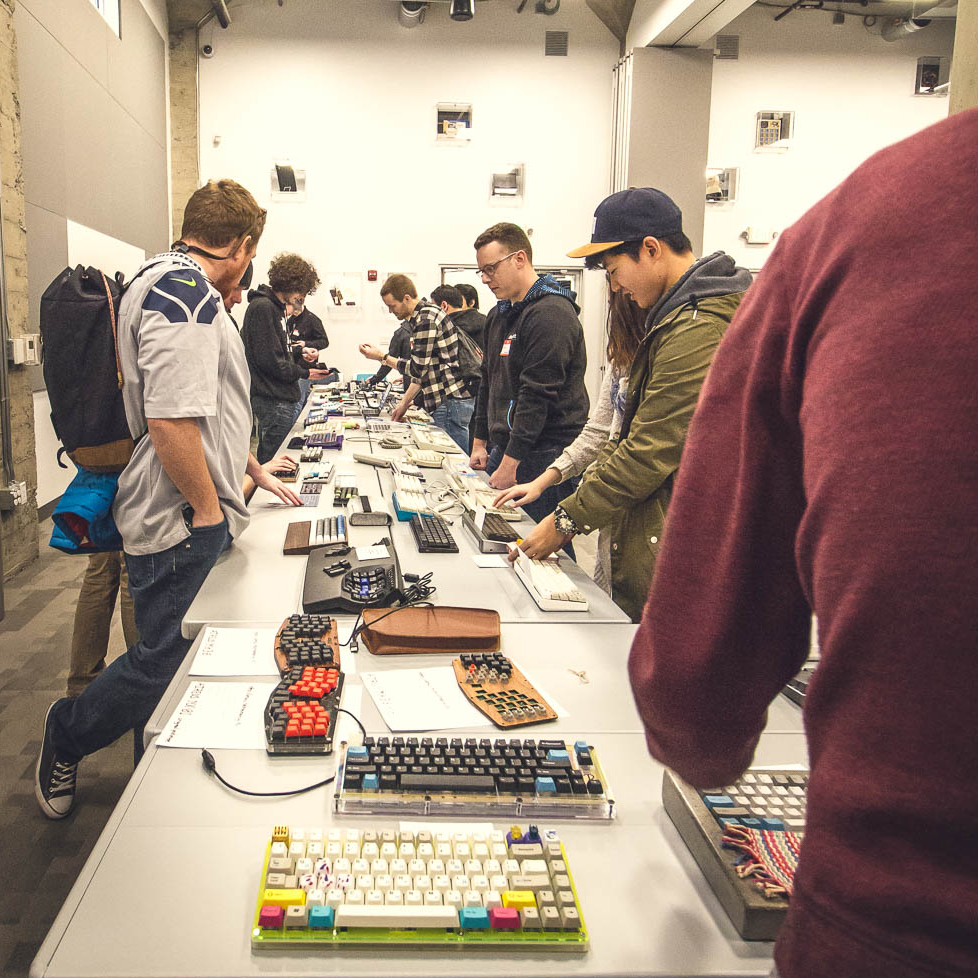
x,y
832,465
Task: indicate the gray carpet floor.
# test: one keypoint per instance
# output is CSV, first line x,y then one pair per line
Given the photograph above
x,y
41,859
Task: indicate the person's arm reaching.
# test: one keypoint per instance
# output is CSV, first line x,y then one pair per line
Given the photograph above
x,y
727,623
262,477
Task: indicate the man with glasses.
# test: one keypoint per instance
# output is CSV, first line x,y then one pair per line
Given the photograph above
x,y
532,401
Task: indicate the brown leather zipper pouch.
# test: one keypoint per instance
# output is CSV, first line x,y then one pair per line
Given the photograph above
x,y
438,629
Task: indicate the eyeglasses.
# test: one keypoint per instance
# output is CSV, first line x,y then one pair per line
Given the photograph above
x,y
490,270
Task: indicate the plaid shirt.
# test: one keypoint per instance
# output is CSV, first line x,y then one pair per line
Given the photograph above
x,y
434,356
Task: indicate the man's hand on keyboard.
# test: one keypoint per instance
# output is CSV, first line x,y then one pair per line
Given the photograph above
x,y
542,541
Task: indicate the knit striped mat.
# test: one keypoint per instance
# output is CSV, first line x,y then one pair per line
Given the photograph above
x,y
768,858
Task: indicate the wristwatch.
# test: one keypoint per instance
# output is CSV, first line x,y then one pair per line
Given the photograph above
x,y
564,522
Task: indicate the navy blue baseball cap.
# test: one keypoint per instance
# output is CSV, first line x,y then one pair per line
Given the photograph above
x,y
631,215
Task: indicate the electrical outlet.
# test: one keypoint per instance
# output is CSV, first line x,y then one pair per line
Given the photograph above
x,y
20,492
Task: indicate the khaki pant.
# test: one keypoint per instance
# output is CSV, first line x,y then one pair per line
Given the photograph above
x,y
105,575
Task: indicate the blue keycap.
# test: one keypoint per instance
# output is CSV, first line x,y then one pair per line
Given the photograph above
x,y
370,781
718,801
580,745
473,918
560,756
772,824
546,786
727,820
357,753
320,917
751,823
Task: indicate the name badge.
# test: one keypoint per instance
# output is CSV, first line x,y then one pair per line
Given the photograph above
x,y
504,352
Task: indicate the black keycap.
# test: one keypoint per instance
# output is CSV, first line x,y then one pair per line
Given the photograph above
x,y
525,784
595,787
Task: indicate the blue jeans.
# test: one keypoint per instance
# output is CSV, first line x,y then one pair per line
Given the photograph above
x,y
275,419
454,415
123,696
536,463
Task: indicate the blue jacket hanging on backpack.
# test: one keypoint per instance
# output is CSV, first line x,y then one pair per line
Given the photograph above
x,y
83,521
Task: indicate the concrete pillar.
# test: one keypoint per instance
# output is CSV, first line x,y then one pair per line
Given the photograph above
x,y
19,526
184,158
964,61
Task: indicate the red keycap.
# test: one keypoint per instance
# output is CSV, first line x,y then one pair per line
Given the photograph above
x,y
504,918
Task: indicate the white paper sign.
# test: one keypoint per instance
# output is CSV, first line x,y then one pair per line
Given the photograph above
x,y
376,552
479,518
421,699
490,560
219,715
236,652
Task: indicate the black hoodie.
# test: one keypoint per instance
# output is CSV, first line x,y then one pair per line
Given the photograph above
x,y
274,371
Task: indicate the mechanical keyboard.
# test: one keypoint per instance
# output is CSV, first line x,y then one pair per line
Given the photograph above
x,y
473,492
300,715
433,439
766,800
330,529
427,460
473,778
408,496
343,494
495,687
326,439
310,491
307,640
548,585
495,534
349,584
425,886
432,535
311,455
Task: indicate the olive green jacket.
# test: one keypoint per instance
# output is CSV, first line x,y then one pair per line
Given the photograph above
x,y
627,489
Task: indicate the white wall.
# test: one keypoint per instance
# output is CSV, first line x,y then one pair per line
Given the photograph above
x,y
348,95
852,94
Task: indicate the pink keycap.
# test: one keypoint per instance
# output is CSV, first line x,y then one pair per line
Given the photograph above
x,y
271,916
504,918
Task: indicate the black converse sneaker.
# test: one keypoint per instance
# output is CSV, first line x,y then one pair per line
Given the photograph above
x,y
54,779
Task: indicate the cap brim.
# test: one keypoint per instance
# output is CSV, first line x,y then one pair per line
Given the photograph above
x,y
593,248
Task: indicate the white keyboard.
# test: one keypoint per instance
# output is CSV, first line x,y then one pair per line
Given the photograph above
x,y
432,439
368,459
321,470
427,460
473,492
548,585
410,491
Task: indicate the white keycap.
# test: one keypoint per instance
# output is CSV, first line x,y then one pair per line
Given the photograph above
x,y
452,899
334,898
379,866
396,917
472,899
422,882
374,898
359,866
775,811
492,899
480,850
298,835
343,881
388,835
444,850
342,865
353,897
370,850
351,849
393,897
432,898
491,867
413,898
511,867
765,779
441,883
462,850
279,850
407,836
303,866
314,850
315,898
530,866
297,850
461,883
403,883
335,835
352,835
458,837
425,850
499,882
480,884
397,866
435,867
388,850
365,882
308,882
498,850
384,881
479,838
417,866
406,850
473,867
443,836
315,835
333,849
497,835
454,867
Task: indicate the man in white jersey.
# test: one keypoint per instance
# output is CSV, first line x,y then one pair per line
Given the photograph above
x,y
180,499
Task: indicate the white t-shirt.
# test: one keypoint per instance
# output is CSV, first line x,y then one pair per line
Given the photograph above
x,y
181,357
